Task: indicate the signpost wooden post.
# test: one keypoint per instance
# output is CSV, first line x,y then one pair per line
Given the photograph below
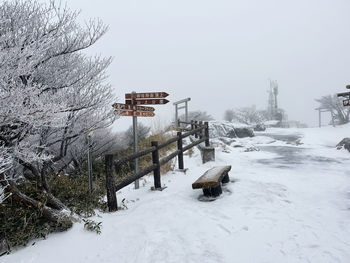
x,y
132,108
136,143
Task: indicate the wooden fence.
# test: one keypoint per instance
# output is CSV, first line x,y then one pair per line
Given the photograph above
x,y
199,129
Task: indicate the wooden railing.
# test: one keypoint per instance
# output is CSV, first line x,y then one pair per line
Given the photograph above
x,y
198,129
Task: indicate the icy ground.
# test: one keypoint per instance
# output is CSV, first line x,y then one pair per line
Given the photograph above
x,y
288,202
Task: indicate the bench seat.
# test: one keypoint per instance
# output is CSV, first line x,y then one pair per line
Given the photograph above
x,y
211,180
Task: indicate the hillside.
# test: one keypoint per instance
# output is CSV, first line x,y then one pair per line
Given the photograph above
x,y
288,201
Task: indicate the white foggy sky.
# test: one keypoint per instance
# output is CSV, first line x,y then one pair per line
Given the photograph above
x,y
222,53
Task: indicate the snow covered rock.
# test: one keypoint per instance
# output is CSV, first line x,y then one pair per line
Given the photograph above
x,y
252,149
227,141
231,134
244,132
229,129
272,123
345,143
260,127
219,129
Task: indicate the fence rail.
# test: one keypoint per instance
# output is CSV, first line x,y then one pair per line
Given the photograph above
x,y
198,129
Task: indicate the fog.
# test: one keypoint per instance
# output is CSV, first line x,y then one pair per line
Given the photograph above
x,y
223,53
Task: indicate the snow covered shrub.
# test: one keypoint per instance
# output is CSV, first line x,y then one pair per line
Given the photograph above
x,y
92,226
21,223
74,192
197,116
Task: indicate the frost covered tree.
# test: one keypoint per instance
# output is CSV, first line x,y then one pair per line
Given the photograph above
x,y
335,106
142,132
5,165
247,115
197,116
51,93
102,141
229,115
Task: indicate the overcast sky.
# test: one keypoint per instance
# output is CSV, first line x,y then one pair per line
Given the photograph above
x,y
223,53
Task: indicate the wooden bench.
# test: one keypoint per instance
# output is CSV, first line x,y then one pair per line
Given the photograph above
x,y
211,180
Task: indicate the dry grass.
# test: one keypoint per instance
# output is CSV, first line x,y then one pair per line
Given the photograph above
x,y
189,152
146,161
160,137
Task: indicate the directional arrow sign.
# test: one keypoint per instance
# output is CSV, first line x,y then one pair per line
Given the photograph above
x,y
135,113
147,102
147,95
144,114
124,112
121,106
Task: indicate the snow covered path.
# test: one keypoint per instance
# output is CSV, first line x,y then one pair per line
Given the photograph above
x,y
286,203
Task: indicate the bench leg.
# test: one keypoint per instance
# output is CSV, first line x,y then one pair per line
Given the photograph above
x,y
226,179
206,192
213,192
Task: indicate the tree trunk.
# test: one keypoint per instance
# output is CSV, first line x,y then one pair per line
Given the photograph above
x,y
61,220
52,201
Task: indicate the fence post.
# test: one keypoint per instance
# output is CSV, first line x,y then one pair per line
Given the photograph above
x,y
156,171
90,162
201,131
206,134
179,147
196,126
110,184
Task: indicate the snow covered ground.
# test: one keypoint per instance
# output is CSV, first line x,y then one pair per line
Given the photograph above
x,y
288,202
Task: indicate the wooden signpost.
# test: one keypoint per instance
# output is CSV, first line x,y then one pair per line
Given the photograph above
x,y
132,108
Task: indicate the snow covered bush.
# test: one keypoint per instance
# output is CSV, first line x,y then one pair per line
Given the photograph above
x,y
197,116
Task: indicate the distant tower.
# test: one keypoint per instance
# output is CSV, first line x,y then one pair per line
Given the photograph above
x,y
272,106
275,91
